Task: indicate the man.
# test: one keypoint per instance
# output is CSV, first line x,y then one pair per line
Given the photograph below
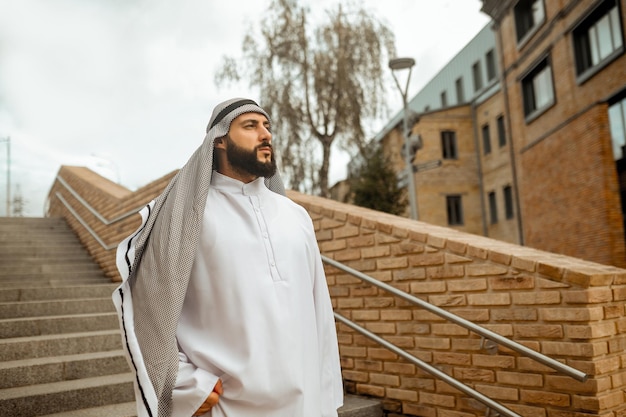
x,y
224,307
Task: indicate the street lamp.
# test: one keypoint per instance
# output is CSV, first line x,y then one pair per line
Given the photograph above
x,y
7,140
398,64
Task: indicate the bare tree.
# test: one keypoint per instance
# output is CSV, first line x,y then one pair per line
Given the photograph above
x,y
320,83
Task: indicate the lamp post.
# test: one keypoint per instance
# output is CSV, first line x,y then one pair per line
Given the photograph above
x,y
398,64
7,140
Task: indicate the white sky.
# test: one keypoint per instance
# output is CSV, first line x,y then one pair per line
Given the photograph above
x,y
125,87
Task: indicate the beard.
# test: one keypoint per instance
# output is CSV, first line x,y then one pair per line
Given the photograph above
x,y
247,161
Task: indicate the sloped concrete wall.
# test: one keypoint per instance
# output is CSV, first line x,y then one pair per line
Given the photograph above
x,y
569,309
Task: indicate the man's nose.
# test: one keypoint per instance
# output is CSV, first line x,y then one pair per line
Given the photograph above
x,y
265,134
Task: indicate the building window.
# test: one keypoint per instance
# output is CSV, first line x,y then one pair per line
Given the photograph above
x,y
598,39
501,131
460,95
508,202
477,76
617,122
537,89
454,208
529,14
491,65
486,140
493,208
448,145
444,99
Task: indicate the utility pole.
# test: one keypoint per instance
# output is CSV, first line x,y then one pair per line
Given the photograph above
x,y
7,140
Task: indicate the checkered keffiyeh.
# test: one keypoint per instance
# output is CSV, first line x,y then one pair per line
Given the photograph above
x,y
155,263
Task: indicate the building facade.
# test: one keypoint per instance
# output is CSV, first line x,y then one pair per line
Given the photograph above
x,y
529,122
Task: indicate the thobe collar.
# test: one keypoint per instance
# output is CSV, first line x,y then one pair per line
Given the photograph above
x,y
234,186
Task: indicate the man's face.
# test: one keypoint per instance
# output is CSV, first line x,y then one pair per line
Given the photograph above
x,y
248,146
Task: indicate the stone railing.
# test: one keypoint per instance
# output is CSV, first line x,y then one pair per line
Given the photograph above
x,y
569,309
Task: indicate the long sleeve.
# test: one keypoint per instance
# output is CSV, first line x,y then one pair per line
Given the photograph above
x,y
193,386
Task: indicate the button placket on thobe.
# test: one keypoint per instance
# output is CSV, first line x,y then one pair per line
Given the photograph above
x,y
269,252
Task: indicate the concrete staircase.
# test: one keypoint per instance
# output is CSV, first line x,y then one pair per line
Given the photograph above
x,y
60,347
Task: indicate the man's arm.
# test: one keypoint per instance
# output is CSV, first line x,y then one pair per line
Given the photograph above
x,y
211,400
195,389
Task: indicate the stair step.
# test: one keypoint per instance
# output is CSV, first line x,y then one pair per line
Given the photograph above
x,y
61,368
52,282
67,292
75,323
64,344
62,268
114,410
10,310
58,397
356,406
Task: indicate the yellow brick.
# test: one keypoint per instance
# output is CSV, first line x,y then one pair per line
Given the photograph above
x,y
445,271
447,300
392,263
428,287
395,315
544,398
401,394
489,299
572,314
519,378
465,285
593,331
361,241
436,399
384,379
544,297
479,270
355,376
370,390
498,393
399,368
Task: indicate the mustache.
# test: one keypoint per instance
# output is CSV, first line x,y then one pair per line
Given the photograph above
x,y
264,144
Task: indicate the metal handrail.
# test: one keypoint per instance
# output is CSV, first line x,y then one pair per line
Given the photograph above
x,y
92,210
488,334
429,368
84,223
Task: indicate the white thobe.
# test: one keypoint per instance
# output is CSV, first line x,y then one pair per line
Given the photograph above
x,y
257,312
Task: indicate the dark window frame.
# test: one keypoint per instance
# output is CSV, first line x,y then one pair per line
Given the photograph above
x,y
501,131
507,194
490,61
460,90
582,44
532,108
449,148
477,76
493,207
454,209
525,22
486,135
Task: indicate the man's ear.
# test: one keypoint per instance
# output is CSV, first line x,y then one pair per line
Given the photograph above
x,y
219,143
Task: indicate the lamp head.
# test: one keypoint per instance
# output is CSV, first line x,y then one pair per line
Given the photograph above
x,y
401,63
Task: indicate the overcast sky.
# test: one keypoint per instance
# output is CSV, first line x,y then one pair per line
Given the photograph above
x,y
125,87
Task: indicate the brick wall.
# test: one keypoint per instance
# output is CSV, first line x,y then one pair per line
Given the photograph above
x,y
567,308
110,200
567,176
